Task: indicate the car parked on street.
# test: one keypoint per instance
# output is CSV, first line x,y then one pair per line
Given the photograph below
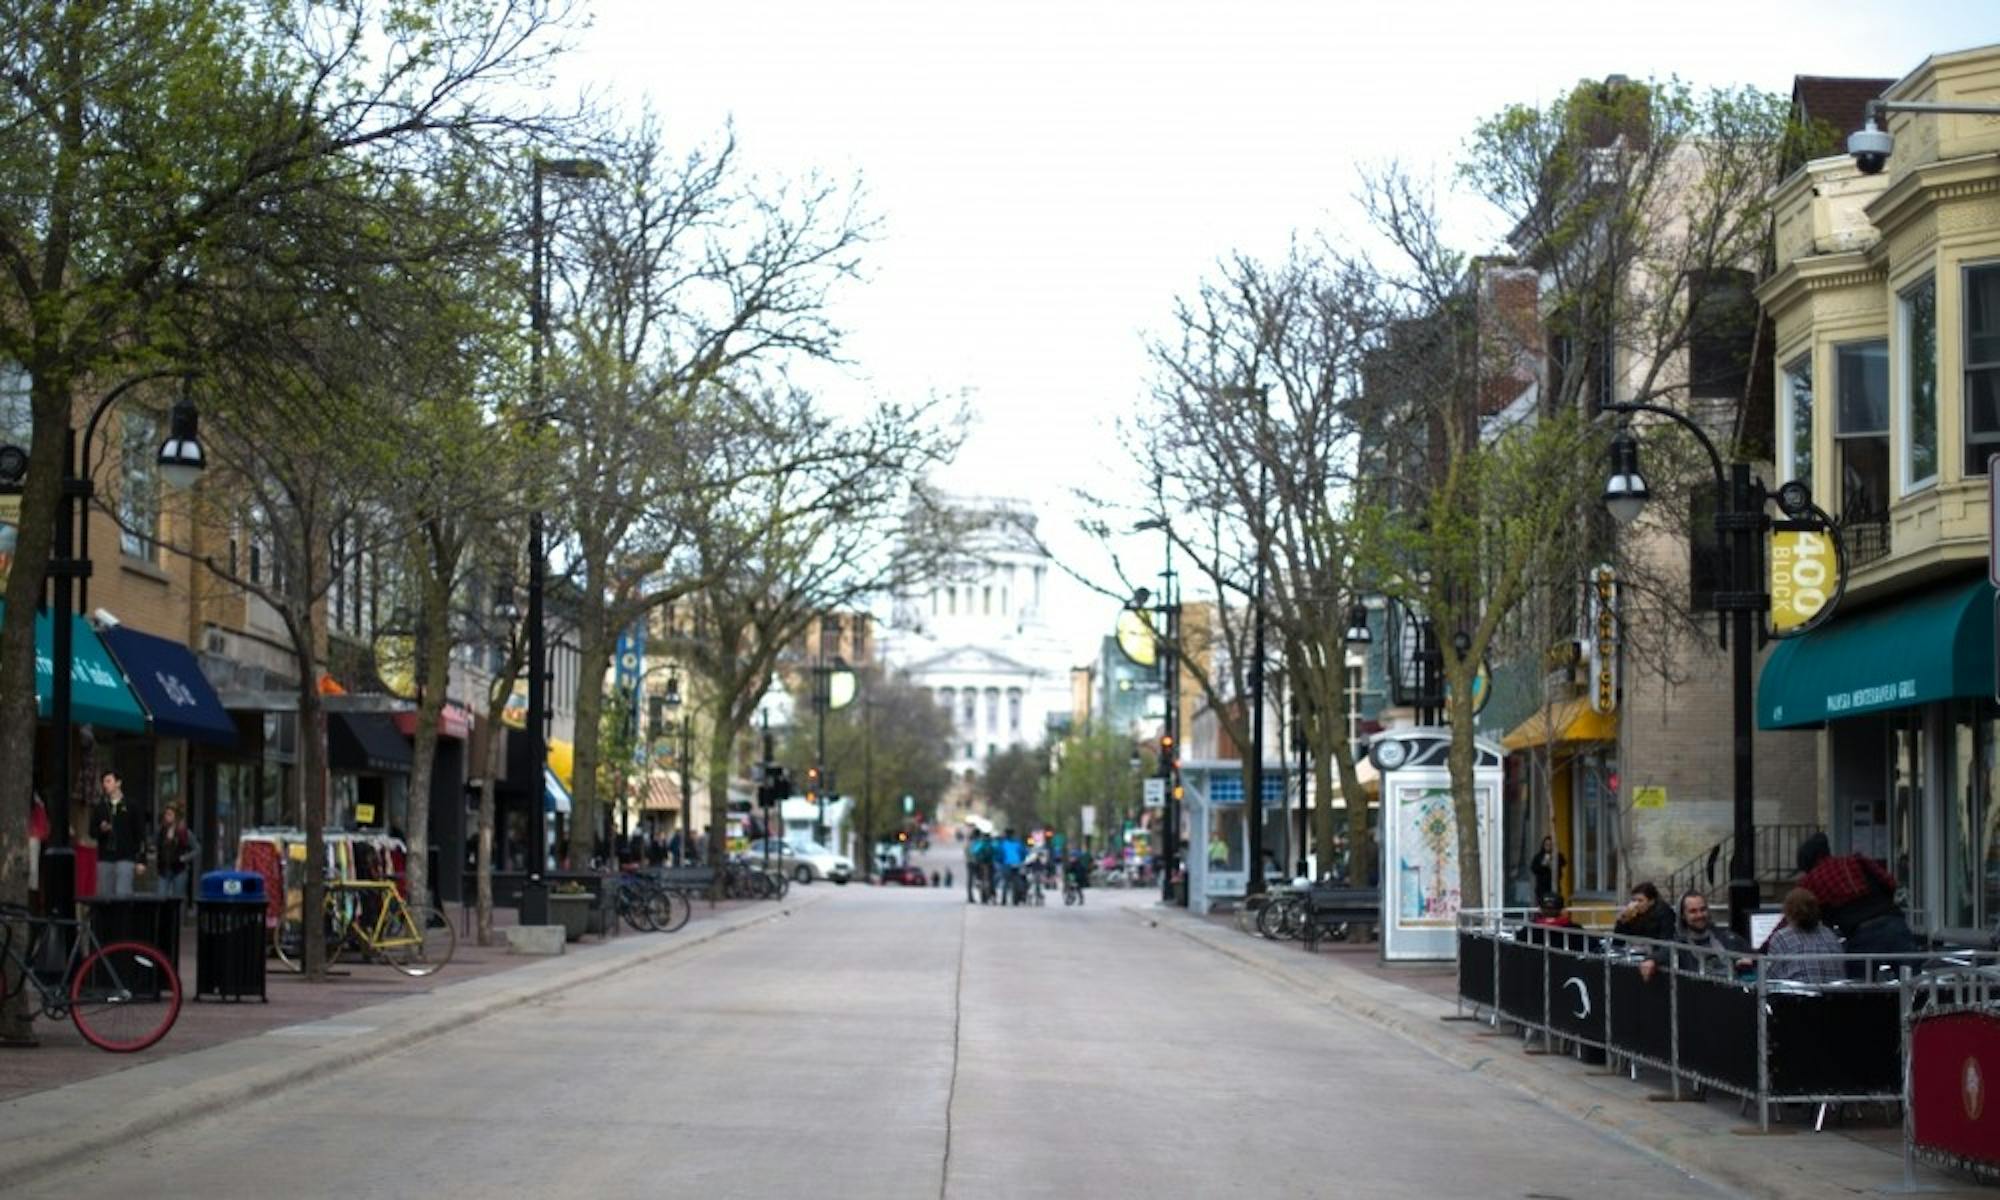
x,y
803,861
906,876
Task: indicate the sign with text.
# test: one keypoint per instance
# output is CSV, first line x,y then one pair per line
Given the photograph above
x,y
1601,638
1804,575
1649,797
1156,792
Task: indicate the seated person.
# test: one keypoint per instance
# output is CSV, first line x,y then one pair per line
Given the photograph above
x,y
1550,916
1697,931
1803,933
1645,915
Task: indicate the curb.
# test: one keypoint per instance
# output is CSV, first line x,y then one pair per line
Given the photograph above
x,y
1629,1121
32,1154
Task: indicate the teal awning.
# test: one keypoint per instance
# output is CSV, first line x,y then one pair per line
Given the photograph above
x,y
1934,647
98,693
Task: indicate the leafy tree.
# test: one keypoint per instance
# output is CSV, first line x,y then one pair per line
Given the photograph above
x,y
1012,784
893,741
157,147
1098,769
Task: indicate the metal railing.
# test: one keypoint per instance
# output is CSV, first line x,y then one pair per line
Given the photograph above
x,y
1735,1022
1777,849
1864,538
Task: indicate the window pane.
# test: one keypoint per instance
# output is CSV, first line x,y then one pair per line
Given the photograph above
x,y
1982,316
1982,418
1799,393
1862,387
139,493
1864,477
1920,377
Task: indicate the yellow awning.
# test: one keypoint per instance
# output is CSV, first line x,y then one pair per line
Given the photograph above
x,y
1570,721
562,760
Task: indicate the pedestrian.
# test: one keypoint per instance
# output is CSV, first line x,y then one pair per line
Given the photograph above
x,y
174,854
1544,867
1218,852
121,835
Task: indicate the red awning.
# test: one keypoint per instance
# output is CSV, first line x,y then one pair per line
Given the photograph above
x,y
454,722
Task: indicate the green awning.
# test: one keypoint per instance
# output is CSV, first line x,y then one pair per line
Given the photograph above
x,y
1934,647
98,694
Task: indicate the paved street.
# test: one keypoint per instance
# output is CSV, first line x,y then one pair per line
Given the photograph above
x,y
890,1042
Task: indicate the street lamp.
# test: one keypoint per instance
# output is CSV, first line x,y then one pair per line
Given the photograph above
x,y
538,649
684,730
1169,614
1741,521
833,688
1416,665
181,461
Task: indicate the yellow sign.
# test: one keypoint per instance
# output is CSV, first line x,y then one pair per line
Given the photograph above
x,y
396,663
1649,797
1601,595
1804,575
296,851
515,712
364,814
1135,639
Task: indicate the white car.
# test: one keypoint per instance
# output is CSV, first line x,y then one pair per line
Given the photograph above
x,y
804,861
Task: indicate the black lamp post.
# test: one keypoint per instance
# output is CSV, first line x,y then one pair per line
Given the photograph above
x,y
1742,522
833,688
181,461
1168,614
538,648
683,752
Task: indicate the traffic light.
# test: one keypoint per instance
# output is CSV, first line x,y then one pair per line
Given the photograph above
x,y
775,787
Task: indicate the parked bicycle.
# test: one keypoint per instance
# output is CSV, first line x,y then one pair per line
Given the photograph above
x,y
370,919
121,997
1283,917
651,906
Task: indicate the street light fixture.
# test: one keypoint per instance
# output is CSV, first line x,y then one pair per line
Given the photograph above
x,y
181,461
1168,613
1741,522
538,649
1871,145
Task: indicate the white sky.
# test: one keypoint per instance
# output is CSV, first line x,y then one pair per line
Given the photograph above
x,y
1052,173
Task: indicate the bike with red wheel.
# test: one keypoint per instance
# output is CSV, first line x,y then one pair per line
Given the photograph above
x,y
121,996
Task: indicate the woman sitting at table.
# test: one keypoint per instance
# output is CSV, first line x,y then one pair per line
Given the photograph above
x,y
1803,934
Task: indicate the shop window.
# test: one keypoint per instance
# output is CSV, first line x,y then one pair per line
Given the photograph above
x,y
1861,440
1906,795
1982,367
1916,318
139,491
1796,434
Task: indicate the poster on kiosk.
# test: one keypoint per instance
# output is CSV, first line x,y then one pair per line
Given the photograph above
x,y
1421,889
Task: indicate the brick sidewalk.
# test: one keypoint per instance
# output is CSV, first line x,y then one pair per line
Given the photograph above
x,y
64,1057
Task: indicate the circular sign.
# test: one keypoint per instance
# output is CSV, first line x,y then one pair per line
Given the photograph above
x,y
396,664
1971,1089
840,689
1136,640
1389,754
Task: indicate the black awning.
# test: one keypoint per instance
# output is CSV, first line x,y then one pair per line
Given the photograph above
x,y
366,742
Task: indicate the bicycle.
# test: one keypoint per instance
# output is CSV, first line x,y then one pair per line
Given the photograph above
x,y
370,917
1072,889
102,989
650,906
1283,917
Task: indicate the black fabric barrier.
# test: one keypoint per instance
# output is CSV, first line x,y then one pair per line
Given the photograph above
x,y
1475,968
1520,980
1718,1029
1836,1042
1641,1013
1576,995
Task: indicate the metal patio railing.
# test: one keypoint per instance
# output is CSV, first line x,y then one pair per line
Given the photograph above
x,y
1752,1033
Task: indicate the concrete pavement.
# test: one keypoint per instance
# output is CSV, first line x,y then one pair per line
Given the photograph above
x,y
873,1043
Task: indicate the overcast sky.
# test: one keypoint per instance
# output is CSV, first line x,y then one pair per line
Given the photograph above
x,y
1051,173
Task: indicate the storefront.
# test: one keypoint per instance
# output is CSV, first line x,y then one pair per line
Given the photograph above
x,y
369,764
1568,752
1218,829
184,715
1906,691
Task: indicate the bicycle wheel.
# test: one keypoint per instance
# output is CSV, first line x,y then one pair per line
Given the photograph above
x,y
288,943
1270,919
638,909
421,941
124,997
679,909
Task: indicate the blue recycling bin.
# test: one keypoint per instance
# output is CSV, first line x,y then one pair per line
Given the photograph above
x,y
230,937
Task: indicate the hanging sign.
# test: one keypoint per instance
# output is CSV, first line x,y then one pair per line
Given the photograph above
x,y
1601,637
1804,576
1155,793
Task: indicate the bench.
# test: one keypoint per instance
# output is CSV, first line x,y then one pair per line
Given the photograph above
x,y
1327,907
687,879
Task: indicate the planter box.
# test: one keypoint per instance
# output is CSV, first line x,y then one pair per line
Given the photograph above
x,y
572,912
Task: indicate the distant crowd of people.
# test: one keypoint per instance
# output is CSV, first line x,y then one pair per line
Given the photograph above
x,y
1007,869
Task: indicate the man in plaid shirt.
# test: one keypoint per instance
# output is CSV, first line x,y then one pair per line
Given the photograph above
x,y
1857,898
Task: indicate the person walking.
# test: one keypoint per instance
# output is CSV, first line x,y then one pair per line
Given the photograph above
x,y
173,854
120,834
1544,866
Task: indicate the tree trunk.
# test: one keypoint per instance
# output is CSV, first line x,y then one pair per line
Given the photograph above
x,y
434,680
312,795
488,738
34,538
1462,760
594,661
721,745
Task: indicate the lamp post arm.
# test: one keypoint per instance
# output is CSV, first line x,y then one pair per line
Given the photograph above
x,y
1876,108
1714,458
